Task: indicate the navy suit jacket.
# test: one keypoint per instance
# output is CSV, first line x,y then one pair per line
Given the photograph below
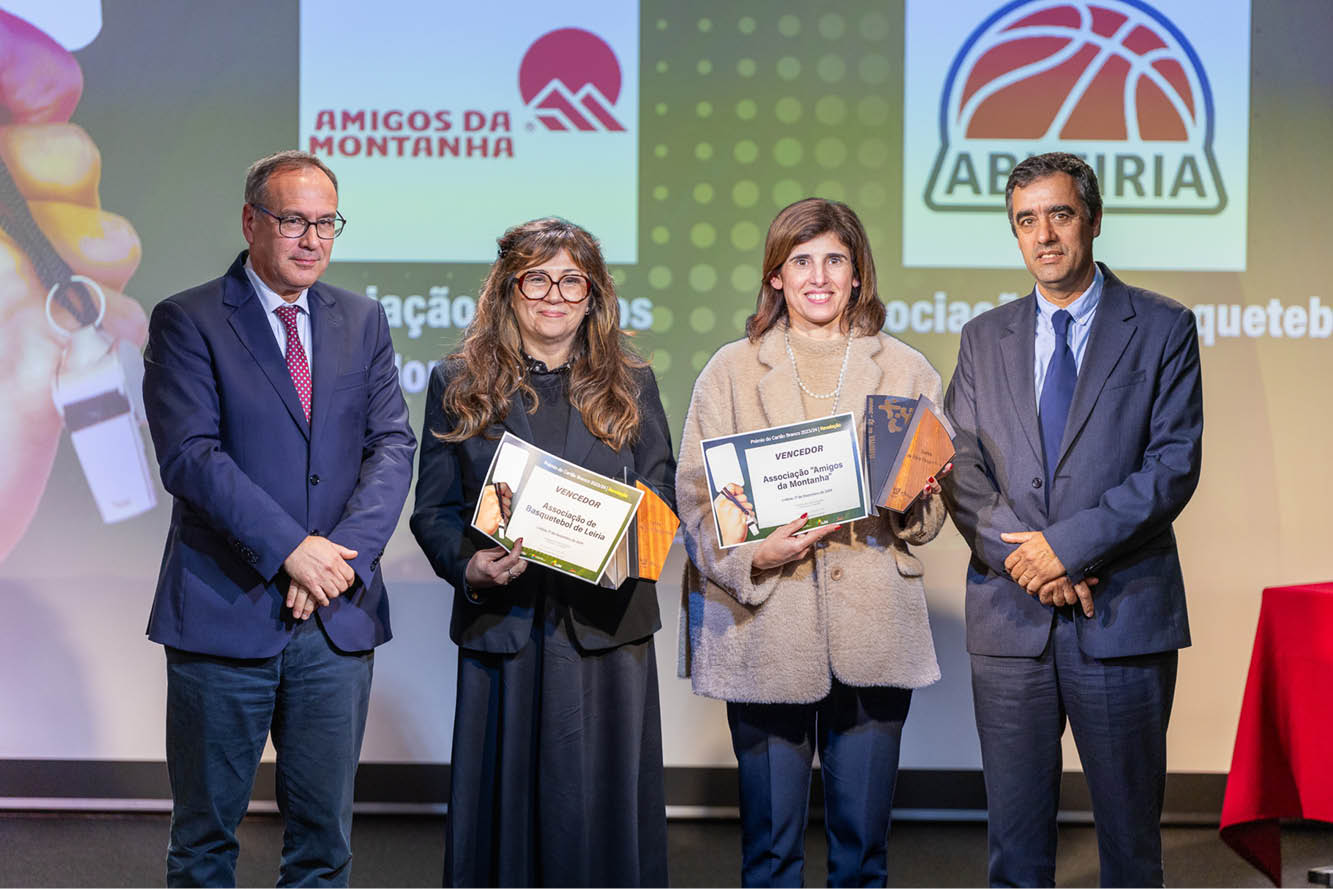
x,y
449,483
251,478
1128,463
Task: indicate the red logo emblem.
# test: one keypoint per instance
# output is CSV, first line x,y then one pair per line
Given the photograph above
x,y
1112,80
1066,73
570,78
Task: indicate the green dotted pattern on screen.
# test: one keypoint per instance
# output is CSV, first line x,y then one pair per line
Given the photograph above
x,y
747,107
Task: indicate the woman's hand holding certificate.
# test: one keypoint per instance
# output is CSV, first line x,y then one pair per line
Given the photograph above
x,y
495,566
762,478
573,519
787,545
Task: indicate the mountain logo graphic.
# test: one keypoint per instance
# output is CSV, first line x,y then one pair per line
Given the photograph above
x,y
570,79
1113,81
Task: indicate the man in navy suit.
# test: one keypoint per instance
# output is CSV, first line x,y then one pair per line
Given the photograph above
x,y
1079,419
282,434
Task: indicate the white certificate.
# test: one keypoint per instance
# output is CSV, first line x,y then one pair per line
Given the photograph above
x,y
764,479
569,518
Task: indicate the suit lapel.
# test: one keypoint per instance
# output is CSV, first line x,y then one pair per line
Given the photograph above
x,y
326,335
516,421
1016,354
578,440
1112,330
252,328
779,394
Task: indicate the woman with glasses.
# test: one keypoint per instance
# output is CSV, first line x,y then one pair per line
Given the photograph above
x,y
557,745
814,640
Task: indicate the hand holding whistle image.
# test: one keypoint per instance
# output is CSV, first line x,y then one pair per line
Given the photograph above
x,y
69,337
736,520
495,510
735,515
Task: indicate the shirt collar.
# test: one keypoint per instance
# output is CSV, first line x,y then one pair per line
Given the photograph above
x,y
537,367
269,297
1082,308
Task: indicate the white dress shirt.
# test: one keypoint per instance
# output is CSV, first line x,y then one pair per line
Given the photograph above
x,y
272,301
1082,311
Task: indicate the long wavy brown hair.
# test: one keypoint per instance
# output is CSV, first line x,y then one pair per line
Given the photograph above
x,y
489,366
804,221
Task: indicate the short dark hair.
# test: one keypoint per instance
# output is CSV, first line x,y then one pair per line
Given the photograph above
x,y
256,178
1039,166
804,221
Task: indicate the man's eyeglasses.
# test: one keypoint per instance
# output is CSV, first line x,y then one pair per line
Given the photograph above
x,y
536,285
326,229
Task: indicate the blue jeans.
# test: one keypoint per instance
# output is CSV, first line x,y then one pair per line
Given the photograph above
x,y
220,710
857,732
1118,709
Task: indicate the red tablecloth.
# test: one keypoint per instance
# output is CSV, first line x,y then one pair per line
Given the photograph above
x,y
1282,766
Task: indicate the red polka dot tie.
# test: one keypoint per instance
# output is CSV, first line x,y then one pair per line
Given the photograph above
x,y
297,365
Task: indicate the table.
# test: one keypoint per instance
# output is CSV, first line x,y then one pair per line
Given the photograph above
x,y
1282,765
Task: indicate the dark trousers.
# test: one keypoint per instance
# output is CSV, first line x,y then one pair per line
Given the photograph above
x,y
857,732
1118,709
220,710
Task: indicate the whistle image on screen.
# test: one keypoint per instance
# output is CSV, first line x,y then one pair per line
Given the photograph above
x,y
92,394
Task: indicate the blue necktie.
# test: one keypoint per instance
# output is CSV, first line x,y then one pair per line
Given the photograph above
x,y
1056,395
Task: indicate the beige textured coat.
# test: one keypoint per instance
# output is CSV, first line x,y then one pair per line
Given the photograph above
x,y
855,607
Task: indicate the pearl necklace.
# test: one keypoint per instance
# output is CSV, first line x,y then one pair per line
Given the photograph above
x,y
837,391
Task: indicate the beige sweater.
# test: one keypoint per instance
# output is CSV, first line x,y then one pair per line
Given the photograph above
x,y
855,607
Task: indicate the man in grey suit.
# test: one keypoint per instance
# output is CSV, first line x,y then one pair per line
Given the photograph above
x,y
1079,419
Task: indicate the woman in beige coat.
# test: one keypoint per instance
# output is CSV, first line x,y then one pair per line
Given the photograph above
x,y
815,640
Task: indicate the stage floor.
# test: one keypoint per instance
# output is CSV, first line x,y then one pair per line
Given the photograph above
x,y
55,849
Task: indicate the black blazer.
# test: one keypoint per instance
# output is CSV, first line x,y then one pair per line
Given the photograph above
x,y
449,477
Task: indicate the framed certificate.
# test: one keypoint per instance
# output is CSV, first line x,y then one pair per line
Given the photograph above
x,y
763,479
569,518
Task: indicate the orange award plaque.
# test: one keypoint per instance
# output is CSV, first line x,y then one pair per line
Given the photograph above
x,y
923,446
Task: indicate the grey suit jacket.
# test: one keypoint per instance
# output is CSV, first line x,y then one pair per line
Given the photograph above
x,y
1128,463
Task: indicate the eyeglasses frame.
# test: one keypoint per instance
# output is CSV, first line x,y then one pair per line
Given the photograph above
x,y
555,282
278,220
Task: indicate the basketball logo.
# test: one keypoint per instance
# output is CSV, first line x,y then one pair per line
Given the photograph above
x,y
1113,81
570,79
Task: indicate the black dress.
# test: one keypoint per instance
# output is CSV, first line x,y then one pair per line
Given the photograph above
x,y
557,746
